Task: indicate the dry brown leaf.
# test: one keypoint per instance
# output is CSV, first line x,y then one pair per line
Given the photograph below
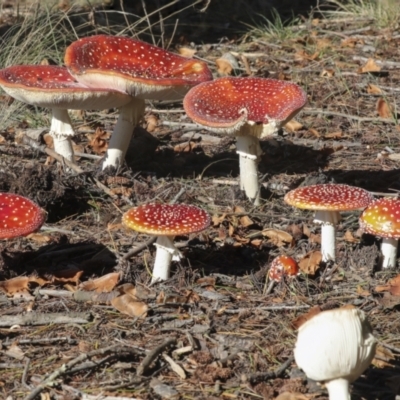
x,y
231,230
122,191
224,67
243,220
348,237
206,281
393,286
383,357
384,109
186,147
39,238
278,237
306,230
15,285
152,122
126,304
293,126
310,263
15,351
334,135
301,319
314,132
217,220
302,55
351,42
388,300
369,66
362,292
105,283
373,89
327,73
187,52
98,141
68,275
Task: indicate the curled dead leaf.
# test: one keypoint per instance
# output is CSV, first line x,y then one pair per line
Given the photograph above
x,y
373,89
383,358
278,237
187,52
393,286
310,263
384,109
98,141
15,285
369,66
126,304
293,396
293,126
105,283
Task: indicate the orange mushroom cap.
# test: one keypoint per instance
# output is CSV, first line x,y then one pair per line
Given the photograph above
x,y
227,103
166,219
382,218
19,216
331,196
54,87
131,66
283,266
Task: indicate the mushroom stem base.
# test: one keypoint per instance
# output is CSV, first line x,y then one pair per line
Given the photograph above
x,y
328,242
389,252
61,131
249,150
166,252
338,389
129,117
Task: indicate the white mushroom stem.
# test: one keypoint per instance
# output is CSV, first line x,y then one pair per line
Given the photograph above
x,y
389,252
61,131
249,150
328,220
129,117
338,389
166,252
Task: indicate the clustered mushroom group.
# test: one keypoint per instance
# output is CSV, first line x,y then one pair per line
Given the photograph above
x,y
118,72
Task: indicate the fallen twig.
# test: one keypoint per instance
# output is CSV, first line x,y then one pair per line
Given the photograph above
x,y
152,355
45,319
68,367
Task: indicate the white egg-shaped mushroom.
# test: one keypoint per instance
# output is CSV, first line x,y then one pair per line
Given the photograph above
x,y
335,347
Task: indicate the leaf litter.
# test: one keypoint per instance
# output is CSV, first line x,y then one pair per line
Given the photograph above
x,y
80,319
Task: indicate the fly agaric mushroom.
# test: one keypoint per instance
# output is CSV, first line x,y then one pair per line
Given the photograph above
x,y
327,200
335,347
281,266
382,218
134,67
166,221
54,87
249,108
19,216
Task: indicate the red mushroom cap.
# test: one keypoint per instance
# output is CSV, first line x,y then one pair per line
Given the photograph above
x,y
283,266
225,104
132,66
166,219
54,87
331,197
382,218
19,216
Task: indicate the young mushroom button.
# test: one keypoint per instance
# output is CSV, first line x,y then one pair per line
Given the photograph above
x,y
134,67
281,266
53,87
248,108
382,218
335,347
327,200
166,221
19,216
